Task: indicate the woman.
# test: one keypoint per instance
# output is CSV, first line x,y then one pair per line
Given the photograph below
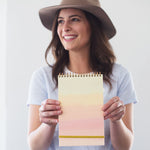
x,y
81,30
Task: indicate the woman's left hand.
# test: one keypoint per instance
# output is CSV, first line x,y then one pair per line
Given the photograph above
x,y
114,109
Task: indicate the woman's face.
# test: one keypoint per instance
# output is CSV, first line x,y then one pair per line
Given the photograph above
x,y
74,29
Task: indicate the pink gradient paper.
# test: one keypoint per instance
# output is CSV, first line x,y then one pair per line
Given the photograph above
x,y
81,101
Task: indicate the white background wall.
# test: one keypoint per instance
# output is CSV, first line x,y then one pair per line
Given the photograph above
x,y
2,74
26,41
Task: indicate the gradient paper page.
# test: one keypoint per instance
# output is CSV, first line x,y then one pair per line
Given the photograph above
x,y
82,121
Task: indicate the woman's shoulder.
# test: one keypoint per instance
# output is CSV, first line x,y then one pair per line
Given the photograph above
x,y
118,68
119,71
42,72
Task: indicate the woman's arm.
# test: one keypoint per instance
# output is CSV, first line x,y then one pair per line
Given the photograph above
x,y
42,123
121,130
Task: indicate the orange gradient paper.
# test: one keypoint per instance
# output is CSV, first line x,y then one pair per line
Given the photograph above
x,y
82,121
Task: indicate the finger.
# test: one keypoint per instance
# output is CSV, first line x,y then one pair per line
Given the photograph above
x,y
109,103
116,112
117,117
112,108
50,102
51,113
49,121
49,107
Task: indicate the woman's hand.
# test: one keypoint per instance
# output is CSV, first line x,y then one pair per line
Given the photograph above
x,y
49,111
114,109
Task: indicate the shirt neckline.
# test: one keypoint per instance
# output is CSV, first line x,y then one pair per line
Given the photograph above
x,y
66,70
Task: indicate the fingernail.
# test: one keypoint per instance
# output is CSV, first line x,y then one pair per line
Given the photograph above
x,y
42,108
57,102
58,107
105,113
105,118
59,112
116,99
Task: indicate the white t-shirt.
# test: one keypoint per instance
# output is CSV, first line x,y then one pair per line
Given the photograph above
x,y
42,87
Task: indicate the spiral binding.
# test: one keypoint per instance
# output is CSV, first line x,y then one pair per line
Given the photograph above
x,y
79,75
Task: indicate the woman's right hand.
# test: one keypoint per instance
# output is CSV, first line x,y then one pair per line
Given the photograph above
x,y
49,111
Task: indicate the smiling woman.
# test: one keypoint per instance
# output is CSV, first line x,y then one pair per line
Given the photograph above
x,y
74,30
80,44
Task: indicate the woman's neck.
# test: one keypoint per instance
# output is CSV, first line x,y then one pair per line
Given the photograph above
x,y
79,63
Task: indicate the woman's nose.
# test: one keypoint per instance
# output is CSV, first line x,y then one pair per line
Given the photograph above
x,y
66,27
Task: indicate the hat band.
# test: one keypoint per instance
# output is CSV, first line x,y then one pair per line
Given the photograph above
x,y
81,2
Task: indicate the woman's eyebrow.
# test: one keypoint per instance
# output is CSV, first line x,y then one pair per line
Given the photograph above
x,y
74,16
60,17
70,16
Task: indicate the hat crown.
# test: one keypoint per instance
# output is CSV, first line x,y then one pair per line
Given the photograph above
x,y
48,14
81,2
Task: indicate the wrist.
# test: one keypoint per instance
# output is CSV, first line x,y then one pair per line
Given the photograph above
x,y
48,126
116,122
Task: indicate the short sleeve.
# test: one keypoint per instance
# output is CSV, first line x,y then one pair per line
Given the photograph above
x,y
126,91
37,88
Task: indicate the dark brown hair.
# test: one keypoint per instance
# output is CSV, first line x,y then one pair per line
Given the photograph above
x,y
102,56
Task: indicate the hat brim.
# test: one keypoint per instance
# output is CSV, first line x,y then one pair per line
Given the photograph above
x,y
47,16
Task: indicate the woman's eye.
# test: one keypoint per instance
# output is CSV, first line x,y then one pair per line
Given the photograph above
x,y
60,21
75,19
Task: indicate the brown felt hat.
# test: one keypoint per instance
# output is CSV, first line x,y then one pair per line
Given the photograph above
x,y
48,14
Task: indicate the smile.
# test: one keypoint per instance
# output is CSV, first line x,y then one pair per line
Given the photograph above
x,y
70,37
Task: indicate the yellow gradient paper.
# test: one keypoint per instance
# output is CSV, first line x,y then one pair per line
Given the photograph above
x,y
82,121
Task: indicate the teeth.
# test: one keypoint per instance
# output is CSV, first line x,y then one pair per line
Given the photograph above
x,y
69,37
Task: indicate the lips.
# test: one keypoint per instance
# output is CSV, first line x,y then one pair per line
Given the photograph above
x,y
69,37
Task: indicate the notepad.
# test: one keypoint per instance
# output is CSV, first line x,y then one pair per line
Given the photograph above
x,y
82,121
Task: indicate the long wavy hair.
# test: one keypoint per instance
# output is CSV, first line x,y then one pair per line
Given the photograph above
x,y
102,56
